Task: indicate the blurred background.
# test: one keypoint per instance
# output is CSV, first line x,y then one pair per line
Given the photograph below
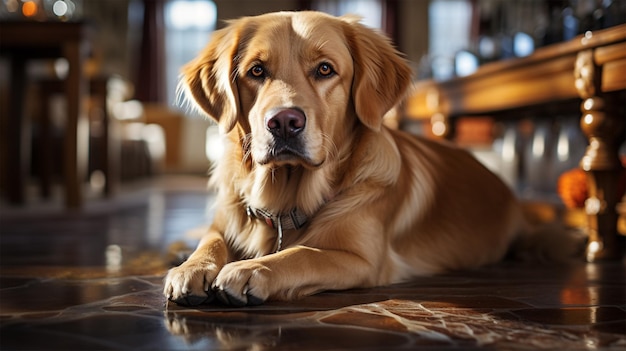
x,y
136,128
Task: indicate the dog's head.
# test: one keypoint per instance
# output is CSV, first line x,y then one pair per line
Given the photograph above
x,y
296,83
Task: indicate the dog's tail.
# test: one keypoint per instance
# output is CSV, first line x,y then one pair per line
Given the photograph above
x,y
548,241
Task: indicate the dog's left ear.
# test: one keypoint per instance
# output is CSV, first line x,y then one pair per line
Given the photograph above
x,y
381,74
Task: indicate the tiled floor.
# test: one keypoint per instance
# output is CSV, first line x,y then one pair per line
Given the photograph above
x,y
92,281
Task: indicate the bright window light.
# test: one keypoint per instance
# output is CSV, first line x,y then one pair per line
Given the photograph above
x,y
370,10
188,27
185,14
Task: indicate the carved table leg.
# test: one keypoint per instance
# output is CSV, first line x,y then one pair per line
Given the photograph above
x,y
605,130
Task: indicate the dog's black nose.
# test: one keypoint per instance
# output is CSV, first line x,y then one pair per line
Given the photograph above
x,y
287,123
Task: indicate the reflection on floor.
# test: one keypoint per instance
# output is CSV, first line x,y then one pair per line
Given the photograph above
x,y
92,280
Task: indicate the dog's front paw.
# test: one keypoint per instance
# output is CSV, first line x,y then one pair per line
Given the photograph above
x,y
243,283
190,283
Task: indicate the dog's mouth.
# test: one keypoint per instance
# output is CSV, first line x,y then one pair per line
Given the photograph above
x,y
281,153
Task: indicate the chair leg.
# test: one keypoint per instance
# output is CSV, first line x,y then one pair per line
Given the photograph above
x,y
46,144
16,135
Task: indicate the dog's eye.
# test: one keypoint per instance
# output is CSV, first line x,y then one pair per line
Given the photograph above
x,y
257,72
325,70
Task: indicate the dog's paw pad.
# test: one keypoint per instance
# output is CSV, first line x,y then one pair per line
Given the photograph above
x,y
229,299
193,300
254,301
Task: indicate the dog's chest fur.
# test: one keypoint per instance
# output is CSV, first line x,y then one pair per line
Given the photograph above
x,y
276,190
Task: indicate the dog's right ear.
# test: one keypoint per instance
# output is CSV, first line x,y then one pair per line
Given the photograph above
x,y
209,80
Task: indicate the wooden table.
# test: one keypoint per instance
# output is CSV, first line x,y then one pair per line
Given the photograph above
x,y
21,41
587,74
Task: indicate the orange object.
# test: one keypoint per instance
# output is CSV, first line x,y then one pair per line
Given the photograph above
x,y
29,9
572,187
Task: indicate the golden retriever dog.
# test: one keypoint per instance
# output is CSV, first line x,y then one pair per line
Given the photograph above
x,y
314,193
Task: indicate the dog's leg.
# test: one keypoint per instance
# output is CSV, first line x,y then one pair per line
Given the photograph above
x,y
292,273
190,283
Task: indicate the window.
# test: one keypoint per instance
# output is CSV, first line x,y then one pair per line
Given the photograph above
x,y
449,32
188,26
370,10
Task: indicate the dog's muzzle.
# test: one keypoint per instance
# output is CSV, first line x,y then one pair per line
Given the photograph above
x,y
287,127
286,124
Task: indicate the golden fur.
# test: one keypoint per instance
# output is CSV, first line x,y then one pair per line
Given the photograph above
x,y
382,206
